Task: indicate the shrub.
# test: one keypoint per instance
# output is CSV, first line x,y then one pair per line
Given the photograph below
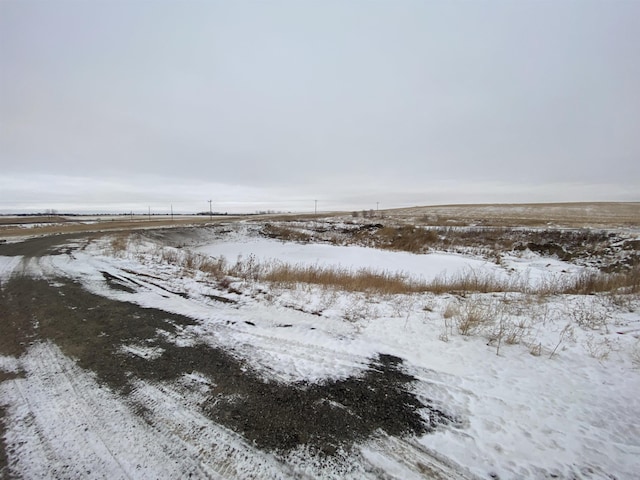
x,y
587,315
535,349
473,317
599,350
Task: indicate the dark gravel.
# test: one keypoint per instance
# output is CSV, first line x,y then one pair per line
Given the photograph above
x,y
274,416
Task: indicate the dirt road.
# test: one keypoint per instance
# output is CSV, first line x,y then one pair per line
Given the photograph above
x,y
52,327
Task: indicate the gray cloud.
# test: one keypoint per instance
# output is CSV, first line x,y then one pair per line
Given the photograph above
x,y
282,102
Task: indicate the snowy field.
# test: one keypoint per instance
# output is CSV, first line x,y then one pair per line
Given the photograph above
x,y
543,386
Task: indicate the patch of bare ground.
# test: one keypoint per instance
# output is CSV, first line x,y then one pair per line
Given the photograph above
x,y
323,417
41,245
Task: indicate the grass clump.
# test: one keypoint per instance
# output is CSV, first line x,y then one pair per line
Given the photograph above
x,y
473,317
118,244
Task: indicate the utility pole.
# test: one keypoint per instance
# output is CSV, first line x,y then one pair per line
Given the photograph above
x,y
172,212
210,211
149,212
315,210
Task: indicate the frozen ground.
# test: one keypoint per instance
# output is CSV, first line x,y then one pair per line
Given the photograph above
x,y
560,402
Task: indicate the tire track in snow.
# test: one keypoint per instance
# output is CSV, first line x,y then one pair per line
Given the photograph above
x,y
78,403
63,425
408,459
213,450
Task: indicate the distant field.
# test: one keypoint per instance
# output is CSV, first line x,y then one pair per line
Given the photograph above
x,y
532,214
598,215
17,226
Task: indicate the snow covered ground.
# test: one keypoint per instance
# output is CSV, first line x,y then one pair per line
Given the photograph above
x,y
560,401
421,267
351,257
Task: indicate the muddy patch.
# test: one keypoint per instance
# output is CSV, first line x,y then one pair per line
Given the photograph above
x,y
99,334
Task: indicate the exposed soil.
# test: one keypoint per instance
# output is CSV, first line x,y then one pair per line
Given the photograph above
x,y
275,416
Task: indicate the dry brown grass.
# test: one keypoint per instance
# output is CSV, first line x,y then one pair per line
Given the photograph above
x,y
119,243
595,282
587,214
192,261
473,282
473,317
466,283
343,279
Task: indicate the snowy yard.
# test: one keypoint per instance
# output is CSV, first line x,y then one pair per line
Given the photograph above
x,y
220,375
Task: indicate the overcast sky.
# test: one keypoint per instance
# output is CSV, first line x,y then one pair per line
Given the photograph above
x,y
119,105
